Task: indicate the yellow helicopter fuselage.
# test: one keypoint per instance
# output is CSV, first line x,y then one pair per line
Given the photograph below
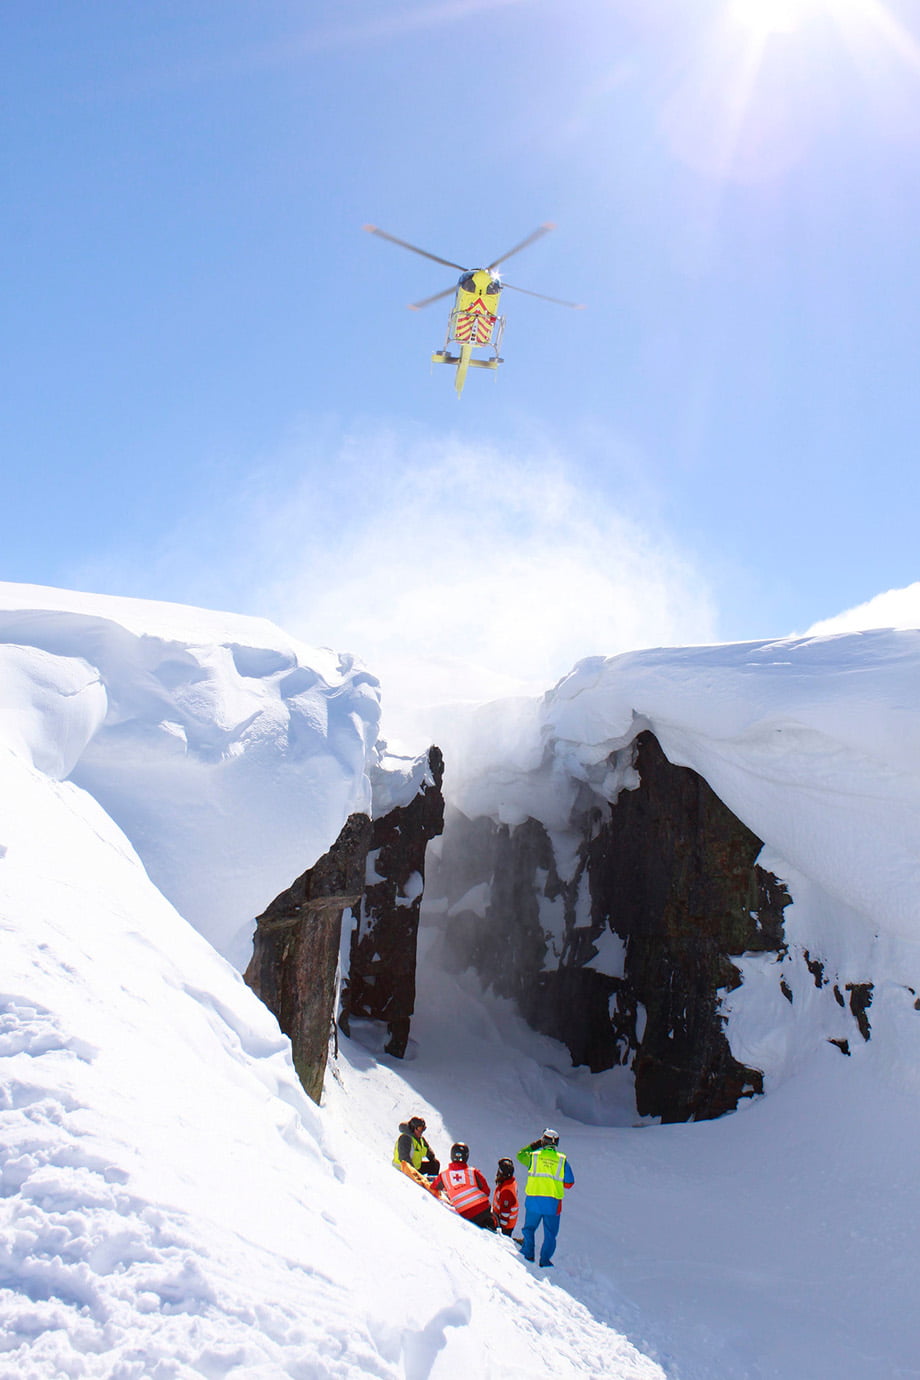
x,y
476,307
474,323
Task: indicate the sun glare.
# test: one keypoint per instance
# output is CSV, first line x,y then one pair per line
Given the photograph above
x,y
766,17
774,16
767,76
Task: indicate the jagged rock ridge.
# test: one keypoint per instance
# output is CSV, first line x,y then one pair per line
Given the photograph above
x,y
622,954
380,984
624,958
376,870
295,949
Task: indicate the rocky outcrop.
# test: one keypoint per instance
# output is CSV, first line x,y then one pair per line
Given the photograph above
x,y
674,874
381,974
624,957
376,871
296,949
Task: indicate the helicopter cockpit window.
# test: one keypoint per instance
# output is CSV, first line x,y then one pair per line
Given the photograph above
x,y
468,283
494,286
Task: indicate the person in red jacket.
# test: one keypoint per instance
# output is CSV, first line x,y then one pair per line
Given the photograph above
x,y
465,1187
505,1198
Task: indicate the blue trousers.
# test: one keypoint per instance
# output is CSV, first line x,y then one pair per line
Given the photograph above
x,y
534,1214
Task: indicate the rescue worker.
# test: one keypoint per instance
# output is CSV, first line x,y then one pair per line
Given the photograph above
x,y
549,1174
466,1188
505,1197
412,1153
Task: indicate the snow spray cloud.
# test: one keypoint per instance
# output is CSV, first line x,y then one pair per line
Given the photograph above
x,y
456,572
472,575
896,608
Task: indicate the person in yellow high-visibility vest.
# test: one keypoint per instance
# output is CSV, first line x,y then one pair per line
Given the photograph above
x,y
412,1153
549,1174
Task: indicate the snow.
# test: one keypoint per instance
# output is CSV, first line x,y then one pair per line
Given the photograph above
x,y
172,1205
772,1243
830,723
396,779
228,752
610,954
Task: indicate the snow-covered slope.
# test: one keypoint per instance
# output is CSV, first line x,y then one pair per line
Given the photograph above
x,y
773,1243
172,1203
813,742
777,1243
229,753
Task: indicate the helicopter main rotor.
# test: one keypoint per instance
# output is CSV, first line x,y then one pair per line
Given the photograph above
x,y
538,234
449,263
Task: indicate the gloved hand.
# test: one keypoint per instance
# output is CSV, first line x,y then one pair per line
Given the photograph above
x,y
536,1144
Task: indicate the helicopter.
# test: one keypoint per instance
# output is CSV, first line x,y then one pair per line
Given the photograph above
x,y
474,321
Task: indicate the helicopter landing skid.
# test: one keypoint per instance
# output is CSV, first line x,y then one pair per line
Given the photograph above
x,y
444,357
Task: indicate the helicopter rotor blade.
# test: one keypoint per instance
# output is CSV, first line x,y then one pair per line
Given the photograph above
x,y
448,263
427,301
577,306
542,230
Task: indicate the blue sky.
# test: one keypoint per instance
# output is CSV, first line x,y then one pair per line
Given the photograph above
x,y
213,390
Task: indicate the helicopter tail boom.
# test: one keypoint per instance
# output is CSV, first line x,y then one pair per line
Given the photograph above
x,y
463,362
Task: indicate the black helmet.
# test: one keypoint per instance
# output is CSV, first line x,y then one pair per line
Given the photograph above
x,y
550,1137
459,1152
416,1123
505,1169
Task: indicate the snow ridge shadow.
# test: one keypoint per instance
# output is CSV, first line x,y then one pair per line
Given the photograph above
x,y
420,1349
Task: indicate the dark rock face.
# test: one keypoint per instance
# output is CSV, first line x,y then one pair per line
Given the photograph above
x,y
298,938
670,872
675,876
381,977
296,949
861,994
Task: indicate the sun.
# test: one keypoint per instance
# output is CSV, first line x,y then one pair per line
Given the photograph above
x,y
768,77
774,16
860,20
